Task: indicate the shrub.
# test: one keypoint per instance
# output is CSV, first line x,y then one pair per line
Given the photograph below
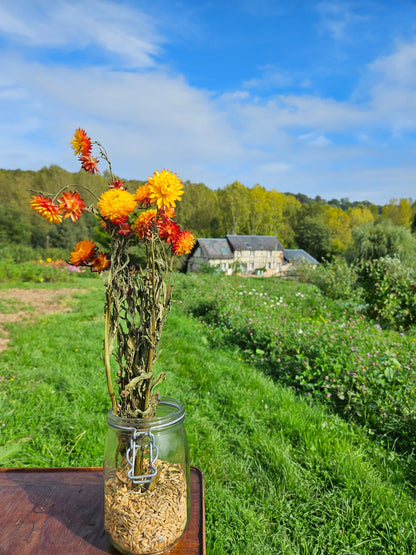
x,y
389,290
23,253
40,271
336,279
326,350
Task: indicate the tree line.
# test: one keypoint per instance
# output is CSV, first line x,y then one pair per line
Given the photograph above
x,y
323,228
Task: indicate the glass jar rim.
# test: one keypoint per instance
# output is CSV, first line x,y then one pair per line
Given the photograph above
x,y
174,414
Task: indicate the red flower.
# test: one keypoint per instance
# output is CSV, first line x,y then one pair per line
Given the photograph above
x,y
117,184
89,163
71,206
124,227
100,263
168,230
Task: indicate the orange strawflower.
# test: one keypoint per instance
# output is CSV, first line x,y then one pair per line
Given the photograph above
x,y
143,227
183,244
142,195
100,263
168,212
116,204
81,143
89,163
168,230
165,188
71,205
46,208
83,253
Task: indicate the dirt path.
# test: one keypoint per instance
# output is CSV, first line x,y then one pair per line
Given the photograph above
x,y
17,305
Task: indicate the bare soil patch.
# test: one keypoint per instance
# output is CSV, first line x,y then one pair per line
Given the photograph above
x,y
18,305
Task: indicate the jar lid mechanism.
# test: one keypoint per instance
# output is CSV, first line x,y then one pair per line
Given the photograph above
x,y
138,442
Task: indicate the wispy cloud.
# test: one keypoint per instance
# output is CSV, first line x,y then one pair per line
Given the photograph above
x,y
391,83
150,116
270,77
115,28
339,18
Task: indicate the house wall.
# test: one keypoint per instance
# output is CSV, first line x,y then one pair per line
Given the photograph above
x,y
251,261
198,260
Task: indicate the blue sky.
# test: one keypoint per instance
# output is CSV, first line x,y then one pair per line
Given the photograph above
x,y
316,97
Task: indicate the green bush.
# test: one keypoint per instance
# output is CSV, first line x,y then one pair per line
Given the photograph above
x,y
326,350
40,271
23,253
336,279
389,290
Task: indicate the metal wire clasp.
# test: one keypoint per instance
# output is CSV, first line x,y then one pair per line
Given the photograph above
x,y
138,441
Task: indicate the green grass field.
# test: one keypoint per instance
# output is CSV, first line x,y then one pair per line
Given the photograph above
x,y
283,474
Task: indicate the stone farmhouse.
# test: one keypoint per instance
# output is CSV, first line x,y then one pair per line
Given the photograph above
x,y
245,254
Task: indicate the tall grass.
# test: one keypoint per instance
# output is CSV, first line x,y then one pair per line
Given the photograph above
x,y
282,474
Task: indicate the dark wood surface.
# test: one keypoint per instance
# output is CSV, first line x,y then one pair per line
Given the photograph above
x,y
60,511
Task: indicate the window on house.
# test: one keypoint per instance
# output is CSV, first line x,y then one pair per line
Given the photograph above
x,y
252,253
251,266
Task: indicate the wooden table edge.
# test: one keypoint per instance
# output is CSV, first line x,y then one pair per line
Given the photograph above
x,y
81,469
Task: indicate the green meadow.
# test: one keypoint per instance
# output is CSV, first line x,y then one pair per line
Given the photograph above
x,y
300,410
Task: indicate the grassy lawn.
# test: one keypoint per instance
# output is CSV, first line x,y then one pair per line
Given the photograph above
x,y
284,473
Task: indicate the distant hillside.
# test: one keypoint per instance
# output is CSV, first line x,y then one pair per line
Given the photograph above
x,y
323,228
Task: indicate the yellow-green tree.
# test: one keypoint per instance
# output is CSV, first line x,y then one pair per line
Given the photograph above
x,y
234,206
338,223
399,212
360,215
260,218
198,212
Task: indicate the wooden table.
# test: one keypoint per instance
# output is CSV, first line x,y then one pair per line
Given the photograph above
x,y
59,511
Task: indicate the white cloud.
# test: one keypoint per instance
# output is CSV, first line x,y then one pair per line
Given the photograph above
x,y
269,77
150,117
391,84
315,139
273,168
339,18
116,29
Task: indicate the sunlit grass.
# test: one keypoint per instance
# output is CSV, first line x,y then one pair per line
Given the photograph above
x,y
282,475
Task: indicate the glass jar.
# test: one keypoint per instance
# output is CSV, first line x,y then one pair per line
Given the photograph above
x,y
147,480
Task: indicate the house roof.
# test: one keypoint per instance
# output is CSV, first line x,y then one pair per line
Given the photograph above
x,y
254,242
298,256
215,248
